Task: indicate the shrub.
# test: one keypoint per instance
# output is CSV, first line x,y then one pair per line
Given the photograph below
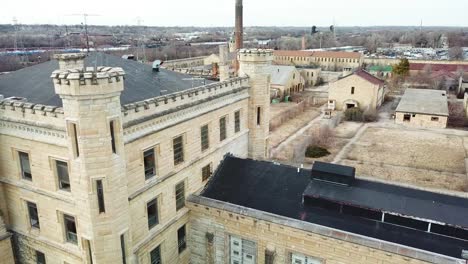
x,y
316,152
370,116
354,114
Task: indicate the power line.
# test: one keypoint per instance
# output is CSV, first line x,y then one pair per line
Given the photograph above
x,y
85,19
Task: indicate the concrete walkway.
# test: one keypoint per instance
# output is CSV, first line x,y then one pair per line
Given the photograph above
x,y
345,150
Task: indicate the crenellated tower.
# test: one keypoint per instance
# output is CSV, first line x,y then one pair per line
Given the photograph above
x,y
98,184
255,64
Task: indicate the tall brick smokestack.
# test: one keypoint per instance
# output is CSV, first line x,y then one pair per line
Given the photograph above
x,y
239,25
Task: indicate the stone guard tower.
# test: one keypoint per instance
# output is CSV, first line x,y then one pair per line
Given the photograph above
x,y
91,103
256,64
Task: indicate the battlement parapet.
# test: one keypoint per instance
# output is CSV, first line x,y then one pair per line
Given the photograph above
x,y
70,56
11,107
88,81
255,55
177,100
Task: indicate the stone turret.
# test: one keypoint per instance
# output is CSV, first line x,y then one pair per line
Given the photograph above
x,y
223,63
256,64
98,183
69,61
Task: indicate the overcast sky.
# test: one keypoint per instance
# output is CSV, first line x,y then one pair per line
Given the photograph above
x,y
256,12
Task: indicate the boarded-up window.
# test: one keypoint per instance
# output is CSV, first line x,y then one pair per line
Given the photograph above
x,y
180,195
204,137
237,121
222,129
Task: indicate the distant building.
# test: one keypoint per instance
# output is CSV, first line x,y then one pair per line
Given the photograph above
x,y
327,60
360,89
285,80
311,74
423,108
381,71
261,212
416,68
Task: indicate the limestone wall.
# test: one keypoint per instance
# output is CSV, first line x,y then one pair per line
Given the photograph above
x,y
213,222
326,64
368,95
185,63
421,120
6,250
147,109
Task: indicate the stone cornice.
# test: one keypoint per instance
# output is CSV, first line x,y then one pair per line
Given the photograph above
x,y
48,134
157,122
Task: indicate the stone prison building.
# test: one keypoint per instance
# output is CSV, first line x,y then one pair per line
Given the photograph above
x,y
96,166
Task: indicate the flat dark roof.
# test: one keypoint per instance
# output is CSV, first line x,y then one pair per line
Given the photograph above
x,y
390,198
278,189
141,83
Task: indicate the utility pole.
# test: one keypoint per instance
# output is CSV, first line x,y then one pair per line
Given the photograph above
x,y
140,44
85,19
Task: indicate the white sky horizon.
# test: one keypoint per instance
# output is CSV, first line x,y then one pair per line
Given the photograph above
x,y
213,13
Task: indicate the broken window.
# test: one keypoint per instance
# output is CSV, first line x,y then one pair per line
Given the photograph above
x,y
62,174
149,161
25,166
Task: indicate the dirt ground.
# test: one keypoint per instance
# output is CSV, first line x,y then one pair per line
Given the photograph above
x,y
410,148
290,127
418,157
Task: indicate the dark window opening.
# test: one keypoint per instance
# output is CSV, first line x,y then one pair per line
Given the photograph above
x,y
100,196
181,238
149,163
112,133
180,195
450,231
63,177
70,229
75,140
406,117
352,90
361,212
237,121
155,255
206,172
122,248
269,257
25,166
178,146
33,215
406,222
222,129
322,203
152,211
259,109
40,258
434,118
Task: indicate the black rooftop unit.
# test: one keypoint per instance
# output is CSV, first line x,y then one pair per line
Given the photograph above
x,y
333,173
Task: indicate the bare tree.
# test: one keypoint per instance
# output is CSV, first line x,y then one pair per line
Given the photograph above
x,y
456,53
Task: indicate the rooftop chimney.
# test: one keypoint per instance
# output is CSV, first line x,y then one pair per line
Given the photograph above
x,y
239,32
239,25
68,61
